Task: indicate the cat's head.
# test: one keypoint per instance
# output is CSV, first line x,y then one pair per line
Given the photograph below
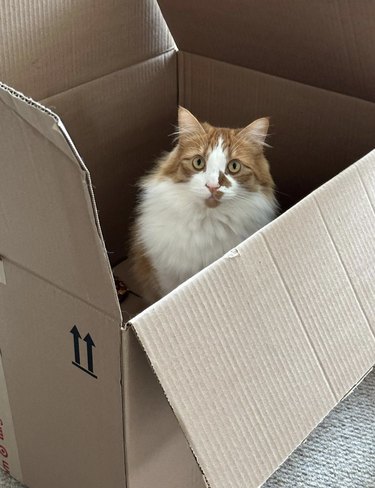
x,y
219,164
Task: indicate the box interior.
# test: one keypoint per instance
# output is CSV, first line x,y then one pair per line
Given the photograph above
x,y
237,61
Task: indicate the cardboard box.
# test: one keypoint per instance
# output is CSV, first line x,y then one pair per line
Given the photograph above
x,y
216,384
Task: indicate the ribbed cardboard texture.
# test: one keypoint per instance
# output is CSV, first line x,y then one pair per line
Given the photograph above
x,y
319,43
251,353
285,299
47,48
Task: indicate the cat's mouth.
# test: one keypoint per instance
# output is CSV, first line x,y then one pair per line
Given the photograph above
x,y
213,200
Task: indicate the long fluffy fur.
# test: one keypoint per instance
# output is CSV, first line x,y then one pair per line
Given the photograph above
x,y
176,233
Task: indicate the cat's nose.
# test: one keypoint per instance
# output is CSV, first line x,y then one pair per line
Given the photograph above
x,y
213,188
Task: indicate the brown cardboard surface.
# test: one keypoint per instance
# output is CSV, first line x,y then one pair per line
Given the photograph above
x,y
50,227
49,47
68,423
314,133
310,246
259,360
357,253
320,43
120,123
9,458
157,452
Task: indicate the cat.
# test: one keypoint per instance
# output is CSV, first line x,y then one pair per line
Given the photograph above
x,y
212,191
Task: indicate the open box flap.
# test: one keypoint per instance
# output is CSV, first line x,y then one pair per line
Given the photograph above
x,y
320,43
275,333
50,47
48,218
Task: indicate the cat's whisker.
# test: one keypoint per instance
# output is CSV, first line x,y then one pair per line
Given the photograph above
x,y
282,193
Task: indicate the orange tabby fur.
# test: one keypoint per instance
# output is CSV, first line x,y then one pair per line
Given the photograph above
x,y
244,145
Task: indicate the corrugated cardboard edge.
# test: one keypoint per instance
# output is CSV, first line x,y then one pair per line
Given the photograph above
x,y
71,151
29,101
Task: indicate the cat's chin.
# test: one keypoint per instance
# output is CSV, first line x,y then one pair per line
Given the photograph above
x,y
212,202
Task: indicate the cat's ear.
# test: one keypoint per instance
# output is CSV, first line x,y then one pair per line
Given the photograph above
x,y
256,131
188,125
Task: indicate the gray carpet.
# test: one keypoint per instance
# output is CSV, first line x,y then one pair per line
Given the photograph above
x,y
340,453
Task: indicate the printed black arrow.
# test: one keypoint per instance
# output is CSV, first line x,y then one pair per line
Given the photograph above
x,y
90,345
77,337
77,358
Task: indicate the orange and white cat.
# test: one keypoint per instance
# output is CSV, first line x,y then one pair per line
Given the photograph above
x,y
212,191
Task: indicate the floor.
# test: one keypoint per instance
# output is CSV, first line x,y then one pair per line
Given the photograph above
x,y
340,453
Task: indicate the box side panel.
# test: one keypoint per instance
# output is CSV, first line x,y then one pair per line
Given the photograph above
x,y
314,134
120,124
157,452
268,339
46,213
319,43
67,417
353,233
50,47
313,246
240,372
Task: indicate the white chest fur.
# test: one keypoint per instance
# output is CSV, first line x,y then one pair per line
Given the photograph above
x,y
181,235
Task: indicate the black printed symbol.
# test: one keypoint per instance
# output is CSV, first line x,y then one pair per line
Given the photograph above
x,y
77,353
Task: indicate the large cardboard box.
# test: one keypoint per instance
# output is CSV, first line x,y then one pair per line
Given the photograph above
x,y
216,384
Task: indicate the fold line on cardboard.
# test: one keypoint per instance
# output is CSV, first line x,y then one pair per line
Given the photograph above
x,y
29,101
356,167
37,106
355,294
74,157
94,208
111,73
89,185
62,290
300,320
276,77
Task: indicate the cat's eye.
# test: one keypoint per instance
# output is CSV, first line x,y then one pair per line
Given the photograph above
x,y
198,163
234,166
